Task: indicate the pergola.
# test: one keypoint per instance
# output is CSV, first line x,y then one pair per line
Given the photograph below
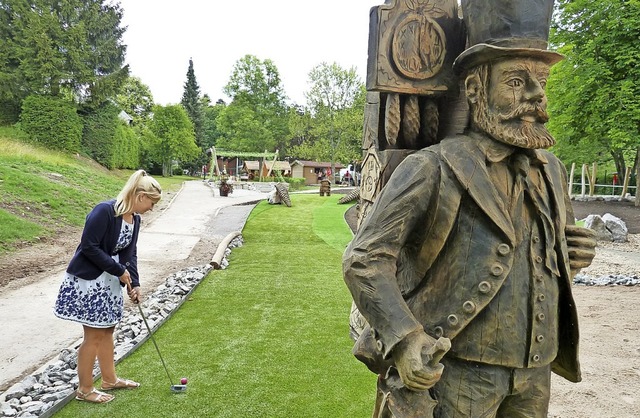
x,y
215,153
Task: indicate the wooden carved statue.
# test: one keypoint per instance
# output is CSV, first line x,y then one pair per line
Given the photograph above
x,y
462,266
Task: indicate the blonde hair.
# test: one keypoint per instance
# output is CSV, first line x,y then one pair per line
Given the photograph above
x,y
139,183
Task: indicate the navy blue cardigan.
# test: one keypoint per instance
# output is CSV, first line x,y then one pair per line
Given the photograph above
x,y
97,245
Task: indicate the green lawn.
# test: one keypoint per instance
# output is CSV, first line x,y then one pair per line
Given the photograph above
x,y
267,337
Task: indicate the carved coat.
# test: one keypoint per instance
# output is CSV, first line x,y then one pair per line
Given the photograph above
x,y
413,265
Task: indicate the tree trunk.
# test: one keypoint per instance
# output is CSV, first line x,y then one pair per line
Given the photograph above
x,y
166,168
333,171
637,163
618,160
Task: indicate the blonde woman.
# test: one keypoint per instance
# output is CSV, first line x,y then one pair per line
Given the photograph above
x,y
104,263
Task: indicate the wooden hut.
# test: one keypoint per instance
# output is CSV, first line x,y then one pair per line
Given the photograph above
x,y
312,171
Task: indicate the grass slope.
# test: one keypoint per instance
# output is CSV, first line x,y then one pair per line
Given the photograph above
x,y
44,192
267,337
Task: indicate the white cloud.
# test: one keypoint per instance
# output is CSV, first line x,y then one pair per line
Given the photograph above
x,y
296,35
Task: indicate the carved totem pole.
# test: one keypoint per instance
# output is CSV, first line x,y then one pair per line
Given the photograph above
x,y
413,95
412,99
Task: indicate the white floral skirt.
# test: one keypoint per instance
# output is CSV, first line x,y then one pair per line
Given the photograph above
x,y
96,303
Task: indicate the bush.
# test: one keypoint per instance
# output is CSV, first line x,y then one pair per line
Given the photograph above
x,y
98,136
52,123
295,183
9,112
126,144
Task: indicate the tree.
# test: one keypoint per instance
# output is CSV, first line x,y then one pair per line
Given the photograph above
x,y
336,101
256,118
300,127
210,127
173,136
593,93
70,48
192,103
136,99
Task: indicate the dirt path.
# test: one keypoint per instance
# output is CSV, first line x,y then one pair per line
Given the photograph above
x,y
609,355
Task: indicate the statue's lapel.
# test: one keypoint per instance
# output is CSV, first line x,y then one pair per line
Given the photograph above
x,y
467,162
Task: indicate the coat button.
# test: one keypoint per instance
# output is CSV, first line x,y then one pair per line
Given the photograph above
x,y
538,259
438,331
452,320
540,338
540,317
541,297
127,264
536,239
484,287
379,345
535,358
496,270
469,307
503,249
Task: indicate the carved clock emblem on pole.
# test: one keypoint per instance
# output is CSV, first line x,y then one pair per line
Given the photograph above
x,y
418,47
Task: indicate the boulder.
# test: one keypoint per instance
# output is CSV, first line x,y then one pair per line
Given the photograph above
x,y
596,223
616,227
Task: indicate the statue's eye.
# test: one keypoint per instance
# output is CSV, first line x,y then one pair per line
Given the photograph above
x,y
543,83
515,82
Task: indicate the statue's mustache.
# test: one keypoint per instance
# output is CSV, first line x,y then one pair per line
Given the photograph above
x,y
526,109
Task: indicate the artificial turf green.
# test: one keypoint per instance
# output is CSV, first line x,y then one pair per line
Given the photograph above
x,y
267,337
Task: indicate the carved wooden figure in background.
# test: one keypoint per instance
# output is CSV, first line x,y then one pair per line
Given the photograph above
x,y
471,247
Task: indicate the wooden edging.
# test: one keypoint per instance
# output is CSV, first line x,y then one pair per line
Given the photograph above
x,y
216,260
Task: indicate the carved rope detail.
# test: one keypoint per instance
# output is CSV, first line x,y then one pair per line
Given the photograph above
x,y
392,118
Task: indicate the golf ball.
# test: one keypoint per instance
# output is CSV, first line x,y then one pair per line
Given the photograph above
x,y
183,381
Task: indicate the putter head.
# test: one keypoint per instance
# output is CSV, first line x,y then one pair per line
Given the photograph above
x,y
178,388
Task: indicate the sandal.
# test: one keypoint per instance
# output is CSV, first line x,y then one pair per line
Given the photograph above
x,y
119,384
100,397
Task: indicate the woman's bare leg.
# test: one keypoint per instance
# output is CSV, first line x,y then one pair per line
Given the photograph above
x,y
94,339
106,357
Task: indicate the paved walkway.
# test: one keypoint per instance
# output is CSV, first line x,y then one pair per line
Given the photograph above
x,y
196,220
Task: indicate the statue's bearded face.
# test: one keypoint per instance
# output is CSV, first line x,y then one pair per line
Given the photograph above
x,y
510,103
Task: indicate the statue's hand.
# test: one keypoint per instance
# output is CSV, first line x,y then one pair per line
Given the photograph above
x,y
417,359
581,243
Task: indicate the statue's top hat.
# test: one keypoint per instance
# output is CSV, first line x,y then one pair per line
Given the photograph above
x,y
506,29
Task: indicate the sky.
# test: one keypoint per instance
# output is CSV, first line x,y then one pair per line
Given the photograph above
x,y
297,35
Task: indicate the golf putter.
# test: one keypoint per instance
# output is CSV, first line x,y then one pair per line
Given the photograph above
x,y
172,387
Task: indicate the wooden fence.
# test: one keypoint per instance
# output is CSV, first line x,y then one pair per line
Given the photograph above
x,y
588,180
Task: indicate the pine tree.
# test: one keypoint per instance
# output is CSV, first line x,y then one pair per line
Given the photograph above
x,y
192,103
61,48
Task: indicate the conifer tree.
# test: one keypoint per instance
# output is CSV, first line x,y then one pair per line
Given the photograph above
x,y
192,103
61,48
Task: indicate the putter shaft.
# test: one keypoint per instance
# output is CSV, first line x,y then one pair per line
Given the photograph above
x,y
154,341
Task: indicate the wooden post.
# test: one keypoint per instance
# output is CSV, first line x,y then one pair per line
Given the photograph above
x,y
584,174
592,180
625,185
214,163
264,158
275,158
573,169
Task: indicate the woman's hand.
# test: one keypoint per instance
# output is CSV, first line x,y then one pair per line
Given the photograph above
x,y
134,293
126,278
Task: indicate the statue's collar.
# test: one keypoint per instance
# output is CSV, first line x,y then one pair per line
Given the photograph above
x,y
496,151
